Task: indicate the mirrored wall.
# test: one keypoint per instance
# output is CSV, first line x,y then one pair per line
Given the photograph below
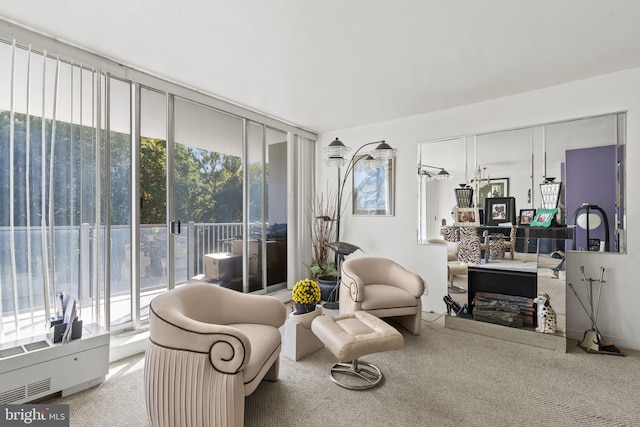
x,y
587,155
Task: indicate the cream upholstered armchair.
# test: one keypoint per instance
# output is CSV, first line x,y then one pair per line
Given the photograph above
x,y
383,288
209,347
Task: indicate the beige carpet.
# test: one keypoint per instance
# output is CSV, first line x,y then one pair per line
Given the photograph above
x,y
442,378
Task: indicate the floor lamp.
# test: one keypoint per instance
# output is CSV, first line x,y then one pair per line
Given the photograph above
x,y
336,152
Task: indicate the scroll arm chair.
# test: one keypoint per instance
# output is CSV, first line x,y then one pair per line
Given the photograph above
x,y
384,288
209,347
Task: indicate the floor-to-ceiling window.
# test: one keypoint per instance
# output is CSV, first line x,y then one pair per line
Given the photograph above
x,y
114,190
152,197
52,165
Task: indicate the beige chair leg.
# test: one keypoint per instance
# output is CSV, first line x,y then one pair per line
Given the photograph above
x,y
274,371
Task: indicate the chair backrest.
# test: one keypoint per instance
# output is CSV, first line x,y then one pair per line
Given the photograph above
x,y
198,301
373,269
377,270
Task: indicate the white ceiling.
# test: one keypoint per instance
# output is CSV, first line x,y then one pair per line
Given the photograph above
x,y
333,64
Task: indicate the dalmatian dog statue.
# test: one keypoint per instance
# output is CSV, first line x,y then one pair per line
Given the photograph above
x,y
547,322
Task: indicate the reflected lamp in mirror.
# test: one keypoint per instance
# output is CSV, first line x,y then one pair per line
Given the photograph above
x,y
441,175
586,219
481,177
550,193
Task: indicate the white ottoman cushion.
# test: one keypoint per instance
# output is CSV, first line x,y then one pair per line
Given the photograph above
x,y
350,336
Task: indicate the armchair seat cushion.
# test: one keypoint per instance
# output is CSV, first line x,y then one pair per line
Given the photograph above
x,y
265,342
383,296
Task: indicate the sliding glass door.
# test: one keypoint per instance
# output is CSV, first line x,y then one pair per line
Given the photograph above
x,y
276,210
152,196
206,200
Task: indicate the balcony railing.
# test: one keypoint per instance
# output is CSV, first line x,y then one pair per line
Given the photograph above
x,y
22,282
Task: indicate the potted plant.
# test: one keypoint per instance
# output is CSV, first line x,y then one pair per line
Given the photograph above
x,y
305,295
322,230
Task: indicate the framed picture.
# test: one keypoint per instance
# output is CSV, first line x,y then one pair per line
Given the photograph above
x,y
466,216
500,209
498,187
374,187
526,216
544,217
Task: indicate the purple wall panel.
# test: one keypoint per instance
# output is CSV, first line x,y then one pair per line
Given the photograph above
x,y
590,178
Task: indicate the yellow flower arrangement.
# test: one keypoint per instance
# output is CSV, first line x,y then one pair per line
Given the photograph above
x,y
306,291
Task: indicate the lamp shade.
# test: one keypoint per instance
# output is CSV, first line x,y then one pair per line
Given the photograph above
x,y
383,152
594,221
335,161
443,175
337,149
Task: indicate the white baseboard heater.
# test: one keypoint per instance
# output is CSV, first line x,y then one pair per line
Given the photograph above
x,y
35,367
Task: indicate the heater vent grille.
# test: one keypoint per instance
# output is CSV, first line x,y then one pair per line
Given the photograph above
x,y
14,395
38,387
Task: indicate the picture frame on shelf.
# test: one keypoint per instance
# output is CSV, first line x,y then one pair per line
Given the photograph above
x,y
526,216
544,217
497,187
466,216
499,210
374,187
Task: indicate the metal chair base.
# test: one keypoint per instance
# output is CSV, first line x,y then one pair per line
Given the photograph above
x,y
369,374
456,289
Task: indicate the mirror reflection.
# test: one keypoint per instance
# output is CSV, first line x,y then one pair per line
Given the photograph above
x,y
512,202
584,157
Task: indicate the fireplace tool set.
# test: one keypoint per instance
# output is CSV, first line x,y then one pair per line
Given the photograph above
x,y
592,341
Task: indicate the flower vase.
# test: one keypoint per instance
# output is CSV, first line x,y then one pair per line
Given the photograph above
x,y
304,308
328,289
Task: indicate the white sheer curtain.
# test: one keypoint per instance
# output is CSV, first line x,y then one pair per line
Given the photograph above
x,y
302,172
49,161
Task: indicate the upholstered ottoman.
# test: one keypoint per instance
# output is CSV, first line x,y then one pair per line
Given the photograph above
x,y
350,336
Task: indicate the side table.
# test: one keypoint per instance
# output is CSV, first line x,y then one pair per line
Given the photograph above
x,y
299,340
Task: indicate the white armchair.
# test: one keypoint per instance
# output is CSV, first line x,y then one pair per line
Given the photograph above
x,y
383,288
209,347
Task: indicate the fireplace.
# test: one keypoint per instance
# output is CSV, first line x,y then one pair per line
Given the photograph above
x,y
515,287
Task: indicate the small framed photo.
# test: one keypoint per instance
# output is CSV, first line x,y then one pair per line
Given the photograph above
x,y
544,217
497,187
466,216
499,210
526,216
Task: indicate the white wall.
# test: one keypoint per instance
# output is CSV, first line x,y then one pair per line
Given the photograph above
x,y
396,237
